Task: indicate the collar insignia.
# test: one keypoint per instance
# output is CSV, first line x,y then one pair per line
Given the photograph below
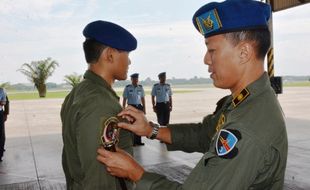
x,y
241,97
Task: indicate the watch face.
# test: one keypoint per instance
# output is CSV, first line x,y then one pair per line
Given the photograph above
x,y
110,135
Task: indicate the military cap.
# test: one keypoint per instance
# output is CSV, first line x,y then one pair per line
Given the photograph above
x,y
230,16
163,74
110,34
135,75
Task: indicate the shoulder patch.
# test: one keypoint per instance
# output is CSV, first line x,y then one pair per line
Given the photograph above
x,y
110,132
226,143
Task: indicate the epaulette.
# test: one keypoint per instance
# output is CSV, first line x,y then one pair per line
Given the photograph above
x,y
220,103
140,85
167,84
241,97
128,85
156,84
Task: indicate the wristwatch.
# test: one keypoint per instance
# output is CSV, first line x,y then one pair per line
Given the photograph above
x,y
155,127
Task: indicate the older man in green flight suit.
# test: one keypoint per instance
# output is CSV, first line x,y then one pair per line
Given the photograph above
x,y
244,141
91,103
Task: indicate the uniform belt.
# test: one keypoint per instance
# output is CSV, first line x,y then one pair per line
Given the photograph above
x,y
135,105
162,102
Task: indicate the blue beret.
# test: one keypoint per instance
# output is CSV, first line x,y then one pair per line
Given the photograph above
x,y
110,34
230,16
135,75
163,74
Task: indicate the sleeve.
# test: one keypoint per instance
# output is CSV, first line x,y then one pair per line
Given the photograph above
x,y
153,91
249,162
88,140
125,94
170,91
142,92
2,95
152,181
216,173
192,137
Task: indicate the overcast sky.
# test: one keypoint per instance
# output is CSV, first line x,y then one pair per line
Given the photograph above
x,y
33,30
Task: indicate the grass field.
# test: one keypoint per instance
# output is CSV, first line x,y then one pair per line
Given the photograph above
x,y
62,94
178,89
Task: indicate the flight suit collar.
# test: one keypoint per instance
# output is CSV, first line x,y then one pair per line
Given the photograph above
x,y
100,81
252,90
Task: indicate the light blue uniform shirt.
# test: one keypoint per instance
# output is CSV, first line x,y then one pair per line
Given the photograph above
x,y
133,94
162,92
2,97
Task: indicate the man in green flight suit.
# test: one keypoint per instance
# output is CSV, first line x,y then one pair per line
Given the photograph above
x,y
91,103
244,141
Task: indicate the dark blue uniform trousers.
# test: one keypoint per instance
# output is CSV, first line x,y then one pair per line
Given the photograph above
x,y
163,113
2,134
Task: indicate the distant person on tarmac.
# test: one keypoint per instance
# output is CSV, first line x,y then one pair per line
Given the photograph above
x,y
4,112
162,99
244,142
133,95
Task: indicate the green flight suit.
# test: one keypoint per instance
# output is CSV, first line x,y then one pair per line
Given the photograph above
x,y
262,150
83,113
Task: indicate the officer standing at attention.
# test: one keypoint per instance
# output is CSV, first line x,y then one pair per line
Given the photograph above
x,y
244,142
163,106
4,112
91,103
133,95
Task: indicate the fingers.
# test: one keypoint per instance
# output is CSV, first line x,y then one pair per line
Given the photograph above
x,y
103,155
130,111
125,126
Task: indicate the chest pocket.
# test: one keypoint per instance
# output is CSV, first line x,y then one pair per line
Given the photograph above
x,y
158,91
139,92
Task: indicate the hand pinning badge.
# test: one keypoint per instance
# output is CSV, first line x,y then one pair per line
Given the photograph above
x,y
226,143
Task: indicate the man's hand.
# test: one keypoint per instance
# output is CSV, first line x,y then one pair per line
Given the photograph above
x,y
120,164
138,122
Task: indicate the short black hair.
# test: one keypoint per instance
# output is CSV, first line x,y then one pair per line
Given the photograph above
x,y
260,37
92,50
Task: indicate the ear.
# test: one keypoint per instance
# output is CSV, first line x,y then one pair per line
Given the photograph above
x,y
107,54
245,52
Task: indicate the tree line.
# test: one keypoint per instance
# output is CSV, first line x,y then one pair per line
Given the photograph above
x,y
37,72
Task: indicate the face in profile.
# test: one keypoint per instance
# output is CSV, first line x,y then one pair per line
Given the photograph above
x,y
121,63
223,61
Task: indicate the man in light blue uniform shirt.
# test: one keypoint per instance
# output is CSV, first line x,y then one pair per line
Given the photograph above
x,y
163,106
134,95
3,115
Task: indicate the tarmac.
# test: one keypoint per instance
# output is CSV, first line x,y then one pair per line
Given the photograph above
x,y
32,159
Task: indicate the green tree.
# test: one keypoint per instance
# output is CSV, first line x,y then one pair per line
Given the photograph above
x,y
73,79
37,72
5,85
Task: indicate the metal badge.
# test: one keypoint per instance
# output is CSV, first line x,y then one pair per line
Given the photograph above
x,y
110,135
